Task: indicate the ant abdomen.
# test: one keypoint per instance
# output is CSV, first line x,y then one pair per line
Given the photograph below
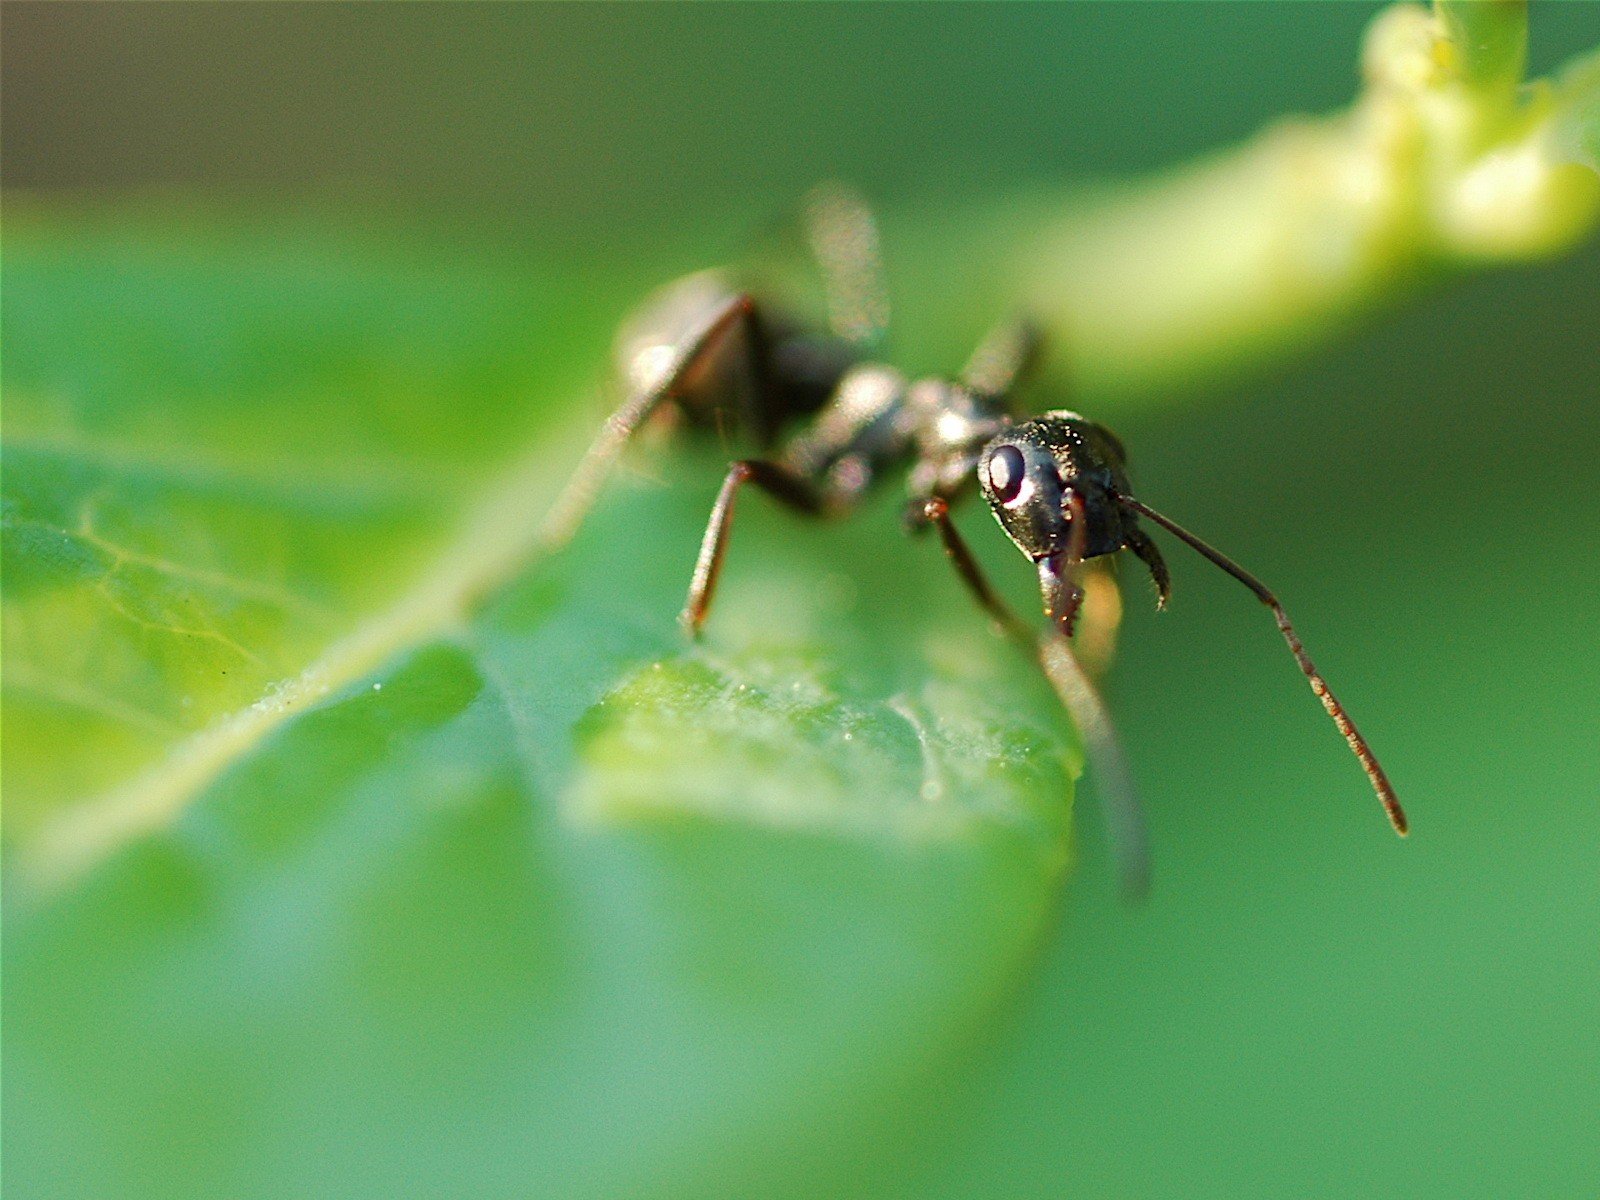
x,y
765,373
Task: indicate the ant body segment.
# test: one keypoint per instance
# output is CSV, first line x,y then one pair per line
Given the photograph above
x,y
1057,483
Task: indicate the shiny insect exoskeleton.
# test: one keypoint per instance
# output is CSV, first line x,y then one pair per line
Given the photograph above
x,y
1057,482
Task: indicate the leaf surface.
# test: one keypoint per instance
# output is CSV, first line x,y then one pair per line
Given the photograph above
x,y
352,850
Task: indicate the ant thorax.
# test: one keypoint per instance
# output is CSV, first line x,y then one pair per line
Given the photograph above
x,y
950,424
860,432
875,421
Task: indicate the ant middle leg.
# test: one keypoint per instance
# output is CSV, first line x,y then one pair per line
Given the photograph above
x,y
1007,355
778,481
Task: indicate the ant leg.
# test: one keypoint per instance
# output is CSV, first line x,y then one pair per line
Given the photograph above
x,y
1119,802
579,494
1102,603
922,488
1125,825
1147,552
1005,357
1058,572
1363,752
843,238
936,512
1102,616
778,482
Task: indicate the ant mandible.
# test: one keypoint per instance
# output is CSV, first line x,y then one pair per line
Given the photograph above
x,y
1057,483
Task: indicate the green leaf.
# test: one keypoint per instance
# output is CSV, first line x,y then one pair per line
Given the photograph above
x,y
353,851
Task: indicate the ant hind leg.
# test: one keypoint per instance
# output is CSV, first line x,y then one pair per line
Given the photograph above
x,y
577,497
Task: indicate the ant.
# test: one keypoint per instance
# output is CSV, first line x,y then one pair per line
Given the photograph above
x,y
1057,483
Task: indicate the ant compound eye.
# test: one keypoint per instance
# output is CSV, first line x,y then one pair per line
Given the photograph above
x,y
1006,469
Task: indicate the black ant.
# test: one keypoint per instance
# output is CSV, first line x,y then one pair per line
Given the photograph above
x,y
1057,483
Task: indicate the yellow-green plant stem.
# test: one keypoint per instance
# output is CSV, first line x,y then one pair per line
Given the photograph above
x,y
1444,160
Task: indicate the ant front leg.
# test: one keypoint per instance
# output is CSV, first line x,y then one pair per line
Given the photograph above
x,y
936,512
1101,617
779,482
1052,652
1058,572
1145,550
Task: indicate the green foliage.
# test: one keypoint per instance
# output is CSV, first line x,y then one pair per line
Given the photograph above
x,y
327,874
1442,161
353,849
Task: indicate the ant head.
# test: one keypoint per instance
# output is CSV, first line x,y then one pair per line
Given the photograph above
x,y
1027,472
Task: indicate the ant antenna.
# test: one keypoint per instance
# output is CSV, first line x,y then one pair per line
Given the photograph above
x,y
1369,761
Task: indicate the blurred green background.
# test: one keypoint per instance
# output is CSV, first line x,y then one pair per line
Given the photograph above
x,y
1305,1007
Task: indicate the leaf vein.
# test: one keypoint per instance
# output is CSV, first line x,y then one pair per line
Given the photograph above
x,y
492,542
